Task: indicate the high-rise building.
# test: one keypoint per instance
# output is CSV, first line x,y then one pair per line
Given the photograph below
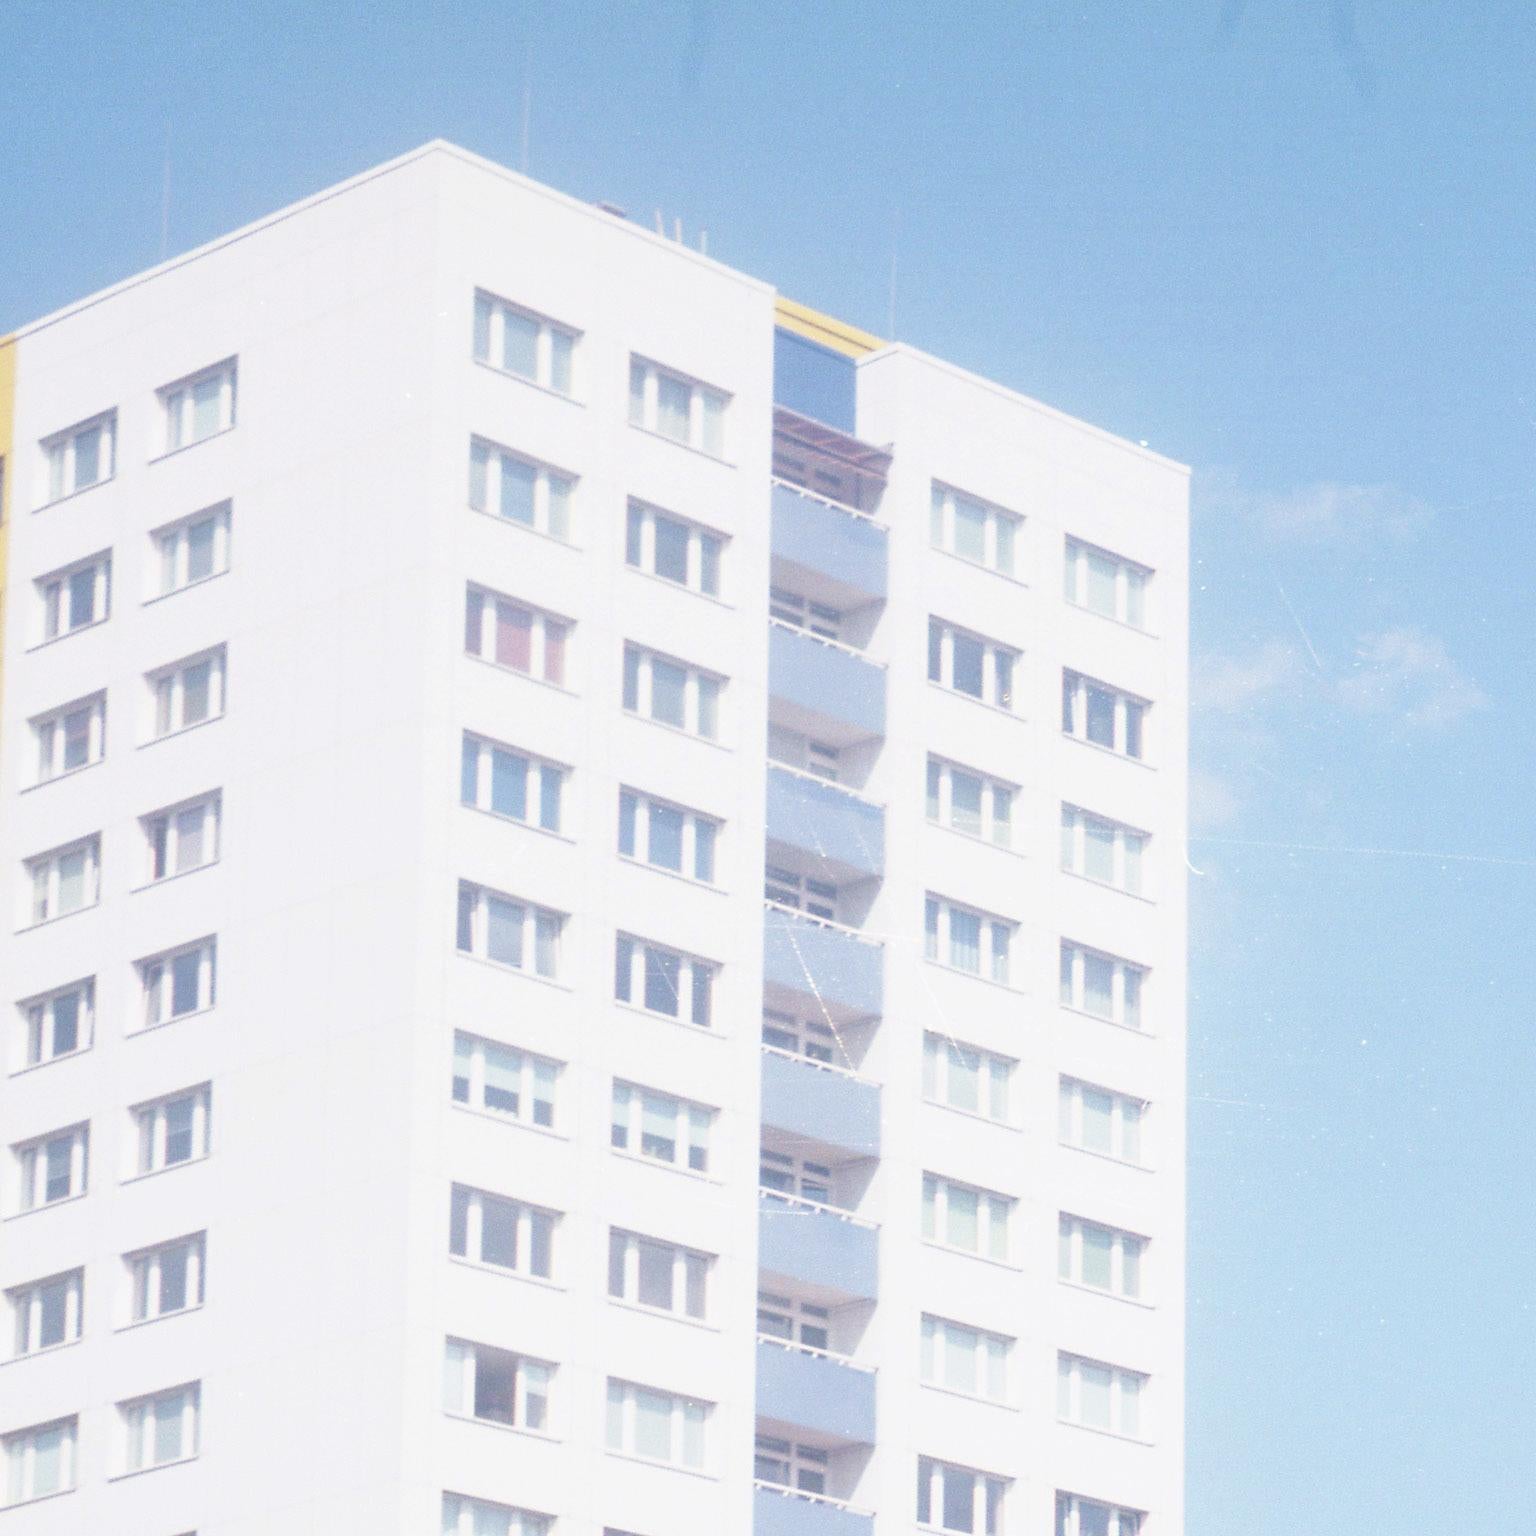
x,y
596,914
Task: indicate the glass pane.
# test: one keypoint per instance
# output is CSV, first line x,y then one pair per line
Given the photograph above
x,y
634,528
196,692
1130,1405
1098,1120
709,564
546,942
1101,583
561,347
961,1346
167,1411
178,1131
82,597
479,474
962,1225
1131,1012
970,529
1134,715
173,1277
205,406
504,930
77,738
703,849
498,1232
509,784
88,466
518,482
1093,1394
935,779
709,707
637,393
1098,1250
959,1499
1098,985
1133,843
661,980
631,678
968,665
482,342
1101,716
559,489
1002,815
653,1424
666,835
696,1267
714,423
1005,532
66,1023
935,651
965,801
936,519
520,344
668,690
1130,1130
931,928
458,1221
53,1312
673,403
964,940
964,1078
72,871
185,974
1130,1266
469,771
655,1274
1136,597
503,1079
615,1416
1098,849
671,549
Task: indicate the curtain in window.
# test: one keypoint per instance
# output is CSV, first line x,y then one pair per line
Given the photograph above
x,y
514,636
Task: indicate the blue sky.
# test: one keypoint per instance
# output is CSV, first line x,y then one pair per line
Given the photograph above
x,y
1286,241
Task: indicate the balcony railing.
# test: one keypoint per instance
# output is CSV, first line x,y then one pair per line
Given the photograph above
x,y
783,1197
794,1346
818,1064
835,645
822,780
824,1499
817,921
826,501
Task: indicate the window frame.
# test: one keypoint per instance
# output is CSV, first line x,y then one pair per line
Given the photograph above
x,y
30,1167
43,905
1070,1119
1130,576
528,1066
935,1352
157,983
626,1264
622,1413
541,931
693,1126
463,1512
994,940
701,704
989,1498
549,636
163,836
489,315
995,1214
705,434
1128,720
1125,1387
175,539
1126,1263
943,507
636,808
939,1051
50,737
1127,1001
533,1385
25,1304
150,1145
694,990
940,802
704,549
60,468
1119,1520
144,1272
38,1023
25,1440
533,1231
167,688
54,594
1128,850
995,692
139,1420
536,770
553,495
178,406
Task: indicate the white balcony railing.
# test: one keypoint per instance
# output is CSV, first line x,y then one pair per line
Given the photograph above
x,y
834,645
810,1498
826,783
824,922
828,501
820,1066
795,1347
783,1197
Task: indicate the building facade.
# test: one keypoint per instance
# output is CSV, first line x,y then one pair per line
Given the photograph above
x,y
597,920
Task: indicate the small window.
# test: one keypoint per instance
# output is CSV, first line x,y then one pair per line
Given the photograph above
x,y
463,1516
63,881
56,1024
1095,1119
51,1168
951,1498
1094,712
73,736
966,1077
973,529
521,490
794,1177
178,982
1103,985
672,692
969,1219
523,343
167,1278
677,551
1099,1396
1106,584
182,837
815,1039
201,405
39,1461
786,888
677,407
799,612
1087,1517
160,1428
969,664
970,802
963,1359
667,836
190,551
46,1313
74,597
171,1130
1102,1258
504,1234
803,1324
503,1080
1102,850
964,939
503,929
660,1127
788,1464
509,782
657,1274
664,981
187,693
83,456
656,1426
496,1386
514,635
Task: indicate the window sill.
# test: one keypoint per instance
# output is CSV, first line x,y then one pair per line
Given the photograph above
x,y
678,730
508,1429
79,490
979,565
991,981
51,1205
67,773
186,586
970,698
517,821
1110,618
46,1349
68,634
181,730
44,922
178,1461
542,1281
966,1253
976,837
512,1120
1108,885
1099,747
1093,1290
673,874
1098,1018
1109,1434
36,1498
662,1312
517,522
197,442
705,1031
972,1114
181,874
175,1018
37,1066
665,1466
504,969
1106,1157
656,1162
680,586
677,442
522,378
155,1173
970,1397
527,677
159,1317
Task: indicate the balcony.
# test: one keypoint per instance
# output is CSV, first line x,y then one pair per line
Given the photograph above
x,y
832,1251
826,967
823,689
788,1512
802,1390
840,552
841,831
820,1103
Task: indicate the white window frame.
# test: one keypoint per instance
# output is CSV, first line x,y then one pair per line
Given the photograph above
x,y
703,692
703,548
994,1078
1132,583
166,833
1001,682
692,1127
708,408
167,687
61,458
1128,985
1127,1121
695,990
37,1027
814,1039
477,782
1001,530
42,885
995,820
139,1421
802,1468
157,974
464,1515
804,893
794,1177
805,1326
1127,1254
150,1143
1128,718
994,1218
20,1448
683,1412
555,345
31,1160
533,1382
552,509
51,735
991,1358
549,636
699,841
533,1228
25,1305
170,566
55,598
994,943
471,1055
800,612
1125,845
144,1271
180,402
541,931
689,1274
1119,1522
793,749
1126,1395
989,1497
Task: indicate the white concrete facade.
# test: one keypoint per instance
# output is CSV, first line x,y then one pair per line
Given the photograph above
x,y
326,1138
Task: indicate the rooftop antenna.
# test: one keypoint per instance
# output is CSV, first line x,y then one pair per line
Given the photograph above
x,y
677,230
527,104
704,242
661,227
165,197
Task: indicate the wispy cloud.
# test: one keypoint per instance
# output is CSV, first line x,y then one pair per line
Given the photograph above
x,y
1407,673
1328,512
1233,685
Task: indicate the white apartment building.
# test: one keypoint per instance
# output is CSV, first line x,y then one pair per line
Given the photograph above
x,y
595,904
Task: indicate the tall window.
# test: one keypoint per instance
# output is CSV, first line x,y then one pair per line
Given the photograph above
x,y
1102,1258
183,837
672,692
1094,712
191,550
975,530
1102,850
83,456
46,1313
962,1359
160,1428
501,928
658,1426
667,836
59,1023
523,343
967,940
506,1234
51,1168
519,489
961,1216
463,1516
677,407
171,1130
200,405
62,881
967,1077
663,980
1099,1396
675,550
167,1278
1095,1119
652,1273
508,782
951,1498
72,737
1105,583
504,1080
970,803
969,664
1087,1517
187,692
658,1126
1103,985
39,1461
178,982
74,598
496,1385
513,635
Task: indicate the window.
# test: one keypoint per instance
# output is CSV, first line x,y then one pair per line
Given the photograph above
x,y
966,1360
505,1234
512,635
966,1077
83,456
523,343
677,407
667,836
970,803
1096,1120
72,737
663,980
1097,713
59,1023
1103,985
1102,1258
967,940
183,837
812,1038
519,489
1086,1517
46,1313
160,1428
178,982
659,1426
672,692
786,1464
801,613
39,1461
1099,1396
801,1323
501,928
74,598
800,1178
968,664
166,1279
504,1080
199,406
51,1168
506,782
171,1130
960,1216
819,758
1102,850
1105,583
673,549
188,692
656,1125
652,1273
66,880
951,1498
974,530
784,886
191,550
478,1517
496,1386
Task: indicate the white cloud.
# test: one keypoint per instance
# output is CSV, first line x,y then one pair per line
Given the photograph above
x,y
1230,685
1327,512
1407,672
1214,801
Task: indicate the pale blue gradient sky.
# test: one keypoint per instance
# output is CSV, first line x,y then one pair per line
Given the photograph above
x,y
1287,241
